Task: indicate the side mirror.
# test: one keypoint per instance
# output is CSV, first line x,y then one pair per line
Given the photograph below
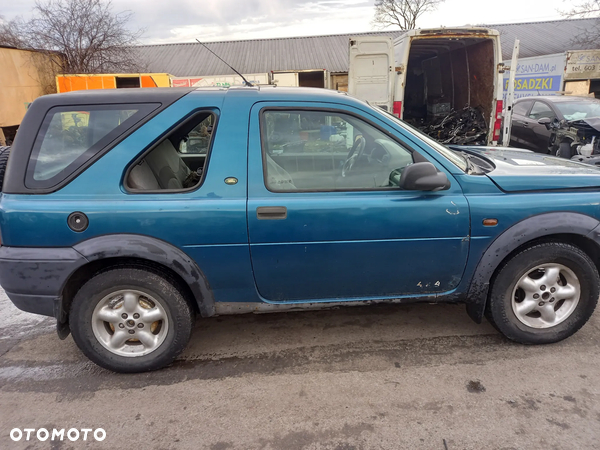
x,y
423,176
546,121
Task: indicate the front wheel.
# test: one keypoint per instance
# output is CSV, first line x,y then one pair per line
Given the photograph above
x,y
130,320
544,293
565,150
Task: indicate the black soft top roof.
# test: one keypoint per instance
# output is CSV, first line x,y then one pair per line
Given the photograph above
x,y
14,180
104,96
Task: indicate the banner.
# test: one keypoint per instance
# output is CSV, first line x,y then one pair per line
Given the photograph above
x,y
583,65
540,75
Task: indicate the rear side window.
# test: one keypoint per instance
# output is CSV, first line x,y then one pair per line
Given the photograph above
x,y
178,161
521,108
72,136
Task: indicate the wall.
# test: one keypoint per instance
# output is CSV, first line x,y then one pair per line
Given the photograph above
x,y
482,74
578,88
20,83
339,82
220,80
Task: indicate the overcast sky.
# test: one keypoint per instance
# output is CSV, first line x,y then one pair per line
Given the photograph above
x,y
215,20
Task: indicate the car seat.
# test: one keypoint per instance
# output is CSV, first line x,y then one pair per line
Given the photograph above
x,y
162,168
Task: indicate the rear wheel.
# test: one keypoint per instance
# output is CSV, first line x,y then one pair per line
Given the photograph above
x,y
130,320
544,293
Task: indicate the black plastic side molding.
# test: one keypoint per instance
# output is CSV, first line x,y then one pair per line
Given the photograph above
x,y
534,227
154,250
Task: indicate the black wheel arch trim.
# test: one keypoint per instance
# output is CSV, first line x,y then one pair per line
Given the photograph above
x,y
529,229
153,250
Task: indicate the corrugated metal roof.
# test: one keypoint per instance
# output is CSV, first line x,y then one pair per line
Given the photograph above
x,y
331,52
543,38
251,56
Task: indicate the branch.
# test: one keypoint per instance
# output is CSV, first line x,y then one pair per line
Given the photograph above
x,y
402,13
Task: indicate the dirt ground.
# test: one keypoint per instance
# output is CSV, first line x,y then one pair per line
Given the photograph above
x,y
384,377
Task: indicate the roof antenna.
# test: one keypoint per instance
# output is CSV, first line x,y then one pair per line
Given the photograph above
x,y
245,81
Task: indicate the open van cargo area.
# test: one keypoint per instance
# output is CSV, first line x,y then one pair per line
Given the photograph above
x,y
450,85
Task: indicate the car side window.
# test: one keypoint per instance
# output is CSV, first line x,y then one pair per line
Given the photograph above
x,y
323,151
197,140
541,110
178,161
71,137
521,108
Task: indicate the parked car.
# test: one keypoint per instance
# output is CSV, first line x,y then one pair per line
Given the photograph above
x,y
110,224
559,125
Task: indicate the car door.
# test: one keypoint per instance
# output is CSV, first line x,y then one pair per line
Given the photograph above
x,y
538,134
324,222
518,136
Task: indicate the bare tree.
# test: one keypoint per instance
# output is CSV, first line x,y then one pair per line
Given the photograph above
x,y
86,33
589,8
9,33
589,36
402,13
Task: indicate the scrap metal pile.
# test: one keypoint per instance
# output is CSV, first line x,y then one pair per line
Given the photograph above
x,y
466,126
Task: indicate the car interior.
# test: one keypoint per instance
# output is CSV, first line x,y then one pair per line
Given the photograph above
x,y
322,151
177,161
541,110
303,151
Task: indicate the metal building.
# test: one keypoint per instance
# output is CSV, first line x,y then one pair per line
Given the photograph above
x,y
322,61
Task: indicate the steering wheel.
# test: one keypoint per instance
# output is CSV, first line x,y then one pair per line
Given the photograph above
x,y
357,148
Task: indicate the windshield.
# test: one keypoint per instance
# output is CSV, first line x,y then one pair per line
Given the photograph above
x,y
453,156
579,110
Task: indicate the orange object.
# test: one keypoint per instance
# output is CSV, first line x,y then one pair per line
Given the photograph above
x,y
109,82
79,82
94,83
63,84
147,81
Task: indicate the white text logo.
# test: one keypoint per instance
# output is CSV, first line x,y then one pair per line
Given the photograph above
x,y
72,434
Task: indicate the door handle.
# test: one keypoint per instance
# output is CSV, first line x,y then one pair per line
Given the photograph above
x,y
271,213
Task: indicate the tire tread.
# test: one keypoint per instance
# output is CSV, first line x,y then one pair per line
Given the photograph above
x,y
182,314
4,154
499,321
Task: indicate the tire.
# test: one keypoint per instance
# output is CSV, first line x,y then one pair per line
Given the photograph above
x,y
4,154
509,302
565,150
156,313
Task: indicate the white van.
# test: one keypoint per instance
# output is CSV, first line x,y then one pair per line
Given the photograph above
x,y
426,73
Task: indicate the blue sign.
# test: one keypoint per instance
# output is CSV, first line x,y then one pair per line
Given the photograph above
x,y
540,75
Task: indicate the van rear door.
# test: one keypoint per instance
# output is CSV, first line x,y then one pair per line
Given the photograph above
x,y
371,69
510,96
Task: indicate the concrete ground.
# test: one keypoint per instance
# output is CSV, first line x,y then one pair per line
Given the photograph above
x,y
386,377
